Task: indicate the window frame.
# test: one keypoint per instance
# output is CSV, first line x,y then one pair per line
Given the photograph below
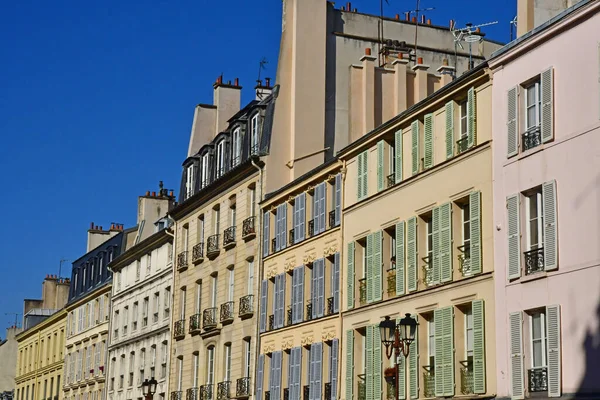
x,y
539,219
236,147
220,159
537,103
543,339
254,134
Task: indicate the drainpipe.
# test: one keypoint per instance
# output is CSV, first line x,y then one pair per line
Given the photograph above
x,y
172,301
342,251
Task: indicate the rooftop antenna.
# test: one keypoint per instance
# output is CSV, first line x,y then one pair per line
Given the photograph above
x,y
16,317
261,66
380,29
62,260
469,34
513,25
416,12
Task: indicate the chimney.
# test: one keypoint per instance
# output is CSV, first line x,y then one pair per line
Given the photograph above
x,y
368,90
153,208
262,91
400,80
446,71
421,80
227,99
533,13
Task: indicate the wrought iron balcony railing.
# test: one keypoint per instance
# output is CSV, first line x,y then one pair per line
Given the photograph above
x,y
229,237
177,395
182,261
428,271
462,145
311,228
531,138
331,217
198,253
289,315
242,387
246,305
206,392
192,393
249,228
223,390
429,381
362,390
209,318
179,329
195,323
466,377
291,236
306,392
391,282
286,394
212,245
267,395
271,322
273,247
537,379
327,391
362,291
534,261
227,312
464,259
330,305
309,308
391,180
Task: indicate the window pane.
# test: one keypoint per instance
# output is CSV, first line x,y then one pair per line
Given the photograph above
x,y
536,326
537,353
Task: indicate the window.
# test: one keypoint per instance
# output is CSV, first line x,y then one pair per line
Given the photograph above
x,y
469,337
227,375
152,359
213,295
182,303
198,302
122,371
220,159
247,357
254,135
142,365
533,105
429,241
125,319
200,229
116,330
537,322
252,194
186,236
189,184
464,119
138,268
145,312
134,316
205,175
236,147
231,285
250,276
156,307
167,302
196,367
535,221
131,368
232,213
216,220
431,341
163,364
210,365
148,263
179,372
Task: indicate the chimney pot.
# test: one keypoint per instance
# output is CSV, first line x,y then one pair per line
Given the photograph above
x,y
348,6
451,24
100,227
407,15
91,225
355,10
428,21
478,30
268,82
368,51
397,16
343,8
420,60
220,80
153,194
171,193
414,19
147,193
236,82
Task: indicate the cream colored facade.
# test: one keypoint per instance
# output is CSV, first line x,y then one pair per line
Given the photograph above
x,y
417,225
299,317
40,366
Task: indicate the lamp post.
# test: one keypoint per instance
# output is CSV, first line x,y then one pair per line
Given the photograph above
x,y
397,339
149,388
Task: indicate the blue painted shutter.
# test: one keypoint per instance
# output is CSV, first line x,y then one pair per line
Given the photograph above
x,y
335,283
263,305
278,215
266,239
338,199
334,368
281,304
295,388
300,218
297,308
259,376
295,219
315,209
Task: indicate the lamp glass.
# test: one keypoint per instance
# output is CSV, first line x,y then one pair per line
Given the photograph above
x,y
386,329
408,328
152,386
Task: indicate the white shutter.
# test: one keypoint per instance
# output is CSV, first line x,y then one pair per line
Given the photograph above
x,y
514,237
553,356
516,355
547,119
512,127
550,231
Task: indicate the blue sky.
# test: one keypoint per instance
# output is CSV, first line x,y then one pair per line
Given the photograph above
x,y
96,105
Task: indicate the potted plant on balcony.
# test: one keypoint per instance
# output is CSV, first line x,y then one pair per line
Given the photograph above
x,y
390,374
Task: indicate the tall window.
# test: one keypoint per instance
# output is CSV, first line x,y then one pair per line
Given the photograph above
x,y
250,276
430,240
125,319
464,119
196,367
247,357
167,302
392,163
152,359
145,311
156,307
205,165
469,336
210,365
186,236
148,263
179,372
189,183
232,214
198,304
236,147
220,158
182,303
201,229
213,294
131,368
254,135
164,352
138,269
134,316
466,225
533,105
142,365
216,220
535,221
537,322
227,375
431,341
252,202
231,285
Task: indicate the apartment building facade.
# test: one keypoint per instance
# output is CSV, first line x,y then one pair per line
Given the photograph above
x,y
417,225
217,247
299,315
141,297
546,139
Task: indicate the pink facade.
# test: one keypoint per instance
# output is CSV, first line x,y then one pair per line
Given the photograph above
x,y
560,346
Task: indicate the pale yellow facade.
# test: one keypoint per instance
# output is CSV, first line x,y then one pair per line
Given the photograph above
x,y
40,360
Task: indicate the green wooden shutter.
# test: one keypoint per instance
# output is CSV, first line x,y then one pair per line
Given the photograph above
x,y
377,385
398,155
472,117
411,252
377,266
365,165
516,355
369,271
446,242
477,307
369,363
380,174
401,386
349,364
547,120
475,228
438,320
435,262
413,365
549,229
350,277
359,169
449,129
448,343
514,237
553,349
512,141
414,127
428,136
400,258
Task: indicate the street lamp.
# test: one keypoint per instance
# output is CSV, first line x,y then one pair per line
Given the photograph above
x,y
149,388
397,339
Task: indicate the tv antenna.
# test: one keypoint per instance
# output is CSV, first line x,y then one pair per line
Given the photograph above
x,y
62,260
261,66
469,34
416,11
513,25
16,317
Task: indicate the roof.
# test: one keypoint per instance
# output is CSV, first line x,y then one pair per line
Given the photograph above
x,y
153,241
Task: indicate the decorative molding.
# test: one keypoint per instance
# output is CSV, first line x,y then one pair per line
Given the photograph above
x,y
269,348
330,251
289,266
309,258
328,336
272,273
288,344
307,340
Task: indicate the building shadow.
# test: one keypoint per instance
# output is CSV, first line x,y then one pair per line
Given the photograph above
x,y
589,387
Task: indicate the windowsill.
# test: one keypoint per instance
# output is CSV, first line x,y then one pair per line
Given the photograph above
x,y
306,240
524,154
533,277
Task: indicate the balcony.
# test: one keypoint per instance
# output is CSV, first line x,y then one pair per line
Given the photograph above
x,y
227,312
391,282
229,237
212,246
311,228
464,259
206,392
289,316
182,261
330,308
178,395
286,394
198,253
249,228
291,236
179,329
331,217
362,389
271,322
391,180
243,388
209,318
534,261
305,392
428,271
537,379
267,395
462,145
428,381
223,390
246,309
362,291
195,324
466,377
531,138
309,310
192,393
327,391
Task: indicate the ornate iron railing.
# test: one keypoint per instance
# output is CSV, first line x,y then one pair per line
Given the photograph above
x,y
306,392
227,311
462,145
428,271
464,259
391,282
206,392
229,236
291,236
182,261
429,381
212,245
330,305
537,379
327,391
271,322
223,390
466,377
267,395
289,315
362,291
248,227
390,390
195,323
179,329
309,308
198,252
311,228
531,138
209,318
332,223
242,387
534,261
192,393
177,395
362,390
286,394
246,305
391,180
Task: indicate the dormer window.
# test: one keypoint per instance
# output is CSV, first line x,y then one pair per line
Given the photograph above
x,y
254,135
220,159
204,181
189,183
236,148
